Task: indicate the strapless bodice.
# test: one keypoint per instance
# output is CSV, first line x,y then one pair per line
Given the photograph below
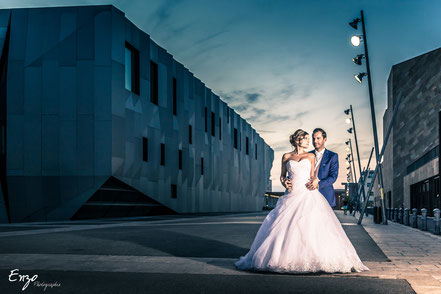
x,y
299,172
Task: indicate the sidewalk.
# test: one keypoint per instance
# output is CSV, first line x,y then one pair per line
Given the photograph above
x,y
414,255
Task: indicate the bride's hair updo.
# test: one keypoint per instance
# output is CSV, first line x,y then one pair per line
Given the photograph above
x,y
295,138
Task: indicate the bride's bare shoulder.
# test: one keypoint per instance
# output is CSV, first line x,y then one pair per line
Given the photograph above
x,y
310,155
286,156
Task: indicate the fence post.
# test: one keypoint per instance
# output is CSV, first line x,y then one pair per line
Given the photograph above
x,y
436,214
400,215
406,216
414,218
396,215
424,219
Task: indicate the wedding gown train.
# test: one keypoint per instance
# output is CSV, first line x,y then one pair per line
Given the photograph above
x,y
301,234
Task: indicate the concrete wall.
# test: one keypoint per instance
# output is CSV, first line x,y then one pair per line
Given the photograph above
x,y
72,124
415,130
426,171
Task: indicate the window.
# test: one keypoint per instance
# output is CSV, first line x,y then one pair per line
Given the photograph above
x,y
174,191
145,149
246,145
220,128
235,138
175,111
153,82
202,165
228,114
132,69
162,154
212,123
180,159
205,119
189,135
255,151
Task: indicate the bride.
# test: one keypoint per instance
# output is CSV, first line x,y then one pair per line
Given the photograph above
x,y
301,234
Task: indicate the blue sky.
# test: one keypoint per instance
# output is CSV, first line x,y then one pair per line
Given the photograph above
x,y
284,65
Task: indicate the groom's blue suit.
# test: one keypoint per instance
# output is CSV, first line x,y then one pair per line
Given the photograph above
x,y
327,174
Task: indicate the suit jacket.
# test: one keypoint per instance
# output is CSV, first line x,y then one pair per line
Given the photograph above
x,y
327,174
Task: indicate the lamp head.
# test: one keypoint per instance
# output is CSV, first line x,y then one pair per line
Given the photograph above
x,y
357,59
347,142
347,111
360,76
354,23
350,130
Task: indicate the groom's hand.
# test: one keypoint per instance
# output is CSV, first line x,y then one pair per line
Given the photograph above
x,y
312,184
288,184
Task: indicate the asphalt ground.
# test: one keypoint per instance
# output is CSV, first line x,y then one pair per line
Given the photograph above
x,y
191,254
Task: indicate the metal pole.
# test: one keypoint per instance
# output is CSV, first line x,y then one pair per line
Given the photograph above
x,y
356,141
386,138
364,180
356,148
353,164
374,123
350,171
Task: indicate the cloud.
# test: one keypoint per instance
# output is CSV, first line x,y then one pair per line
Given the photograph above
x,y
241,107
266,131
279,148
209,37
252,97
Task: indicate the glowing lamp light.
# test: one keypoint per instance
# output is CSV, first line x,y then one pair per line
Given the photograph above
x,y
360,76
355,41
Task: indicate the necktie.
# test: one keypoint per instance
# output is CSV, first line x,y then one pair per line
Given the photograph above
x,y
318,157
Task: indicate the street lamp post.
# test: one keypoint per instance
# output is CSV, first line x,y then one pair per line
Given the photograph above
x,y
371,100
356,145
349,174
355,135
348,163
352,155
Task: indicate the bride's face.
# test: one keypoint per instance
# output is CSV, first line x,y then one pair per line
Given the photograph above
x,y
304,143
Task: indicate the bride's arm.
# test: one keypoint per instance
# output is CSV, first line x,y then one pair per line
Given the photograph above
x,y
312,159
283,172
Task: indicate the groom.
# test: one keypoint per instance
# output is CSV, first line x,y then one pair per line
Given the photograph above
x,y
326,162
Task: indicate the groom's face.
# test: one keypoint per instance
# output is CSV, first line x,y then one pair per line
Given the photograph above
x,y
319,141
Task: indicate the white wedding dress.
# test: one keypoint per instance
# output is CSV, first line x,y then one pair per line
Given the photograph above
x,y
301,234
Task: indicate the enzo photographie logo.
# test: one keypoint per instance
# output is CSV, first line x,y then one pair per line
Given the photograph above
x,y
14,276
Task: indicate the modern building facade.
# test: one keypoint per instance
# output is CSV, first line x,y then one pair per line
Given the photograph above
x,y
97,120
411,160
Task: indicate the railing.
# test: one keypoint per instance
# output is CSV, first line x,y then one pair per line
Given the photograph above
x,y
270,201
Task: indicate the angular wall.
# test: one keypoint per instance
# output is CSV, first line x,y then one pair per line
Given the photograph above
x,y
416,128
71,124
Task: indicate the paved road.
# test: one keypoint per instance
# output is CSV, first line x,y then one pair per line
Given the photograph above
x,y
190,254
